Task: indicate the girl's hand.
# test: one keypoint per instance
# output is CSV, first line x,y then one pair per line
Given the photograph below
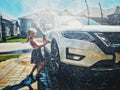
x,y
45,42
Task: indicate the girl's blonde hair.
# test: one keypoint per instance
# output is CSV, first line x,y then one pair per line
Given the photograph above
x,y
30,30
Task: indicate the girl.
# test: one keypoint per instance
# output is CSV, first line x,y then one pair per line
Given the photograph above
x,y
36,56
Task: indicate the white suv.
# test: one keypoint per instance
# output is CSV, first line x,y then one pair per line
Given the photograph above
x,y
84,47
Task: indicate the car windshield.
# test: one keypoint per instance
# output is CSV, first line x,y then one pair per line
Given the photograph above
x,y
75,35
80,21
91,22
78,35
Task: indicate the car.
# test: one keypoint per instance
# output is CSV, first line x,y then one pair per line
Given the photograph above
x,y
83,48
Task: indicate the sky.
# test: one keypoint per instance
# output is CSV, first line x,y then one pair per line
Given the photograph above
x,y
18,8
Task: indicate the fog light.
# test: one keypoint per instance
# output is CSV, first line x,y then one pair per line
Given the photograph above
x,y
73,56
76,57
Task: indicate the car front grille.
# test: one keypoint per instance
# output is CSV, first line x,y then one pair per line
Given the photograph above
x,y
108,50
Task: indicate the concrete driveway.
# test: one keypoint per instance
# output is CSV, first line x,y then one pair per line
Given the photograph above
x,y
7,47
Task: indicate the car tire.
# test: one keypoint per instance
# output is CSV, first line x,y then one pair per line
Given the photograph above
x,y
55,58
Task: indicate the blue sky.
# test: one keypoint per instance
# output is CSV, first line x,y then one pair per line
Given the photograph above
x,y
18,8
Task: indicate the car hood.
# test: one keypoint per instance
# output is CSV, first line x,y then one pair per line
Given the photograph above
x,y
86,28
101,28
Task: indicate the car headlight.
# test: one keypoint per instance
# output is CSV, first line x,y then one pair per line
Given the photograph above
x,y
78,35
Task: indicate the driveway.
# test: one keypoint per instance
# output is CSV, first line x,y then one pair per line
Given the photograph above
x,y
7,47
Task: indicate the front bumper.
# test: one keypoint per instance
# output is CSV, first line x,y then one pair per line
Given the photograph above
x,y
87,54
79,71
79,57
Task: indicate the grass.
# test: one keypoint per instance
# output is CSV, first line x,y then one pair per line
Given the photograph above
x,y
4,57
14,39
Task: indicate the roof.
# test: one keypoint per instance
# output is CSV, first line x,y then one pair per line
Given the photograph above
x,y
46,13
40,13
73,20
6,17
117,11
66,13
95,12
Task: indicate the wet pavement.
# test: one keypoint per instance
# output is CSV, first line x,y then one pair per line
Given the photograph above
x,y
14,73
95,81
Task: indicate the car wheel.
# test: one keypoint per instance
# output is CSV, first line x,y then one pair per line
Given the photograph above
x,y
55,57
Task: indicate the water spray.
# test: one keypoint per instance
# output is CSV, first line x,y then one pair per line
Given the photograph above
x,y
87,11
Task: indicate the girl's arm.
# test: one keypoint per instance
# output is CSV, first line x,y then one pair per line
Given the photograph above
x,y
39,40
35,45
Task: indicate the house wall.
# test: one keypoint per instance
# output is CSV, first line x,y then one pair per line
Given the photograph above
x,y
38,23
114,19
24,25
0,27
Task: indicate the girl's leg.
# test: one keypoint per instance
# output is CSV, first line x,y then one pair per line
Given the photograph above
x,y
33,69
40,66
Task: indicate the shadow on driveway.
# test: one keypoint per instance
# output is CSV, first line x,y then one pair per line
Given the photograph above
x,y
26,82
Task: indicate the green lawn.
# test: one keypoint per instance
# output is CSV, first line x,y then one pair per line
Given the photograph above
x,y
4,57
14,39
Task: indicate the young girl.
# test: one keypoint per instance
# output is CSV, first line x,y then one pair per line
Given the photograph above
x,y
36,56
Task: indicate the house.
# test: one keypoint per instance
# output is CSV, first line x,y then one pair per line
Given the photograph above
x,y
8,26
95,14
40,19
114,18
109,16
37,20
